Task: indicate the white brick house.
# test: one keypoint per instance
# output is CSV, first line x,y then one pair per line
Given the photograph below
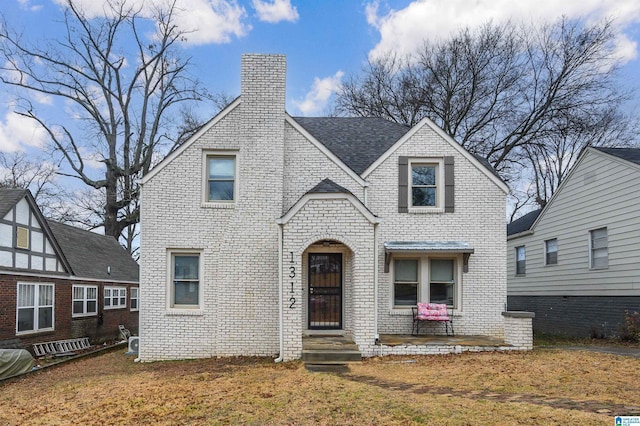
x,y
263,228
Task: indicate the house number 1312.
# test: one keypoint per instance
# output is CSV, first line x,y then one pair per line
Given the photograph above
x,y
292,274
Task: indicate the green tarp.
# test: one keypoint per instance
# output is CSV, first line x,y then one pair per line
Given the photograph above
x,y
15,361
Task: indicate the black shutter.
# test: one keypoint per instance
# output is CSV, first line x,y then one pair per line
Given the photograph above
x,y
403,183
448,185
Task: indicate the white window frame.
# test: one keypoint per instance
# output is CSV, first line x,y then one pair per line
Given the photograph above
x,y
393,281
547,252
221,204
424,280
134,294
438,163
188,309
122,296
593,249
524,252
85,299
36,307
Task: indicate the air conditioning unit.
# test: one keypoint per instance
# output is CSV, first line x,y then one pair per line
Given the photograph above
x,y
134,344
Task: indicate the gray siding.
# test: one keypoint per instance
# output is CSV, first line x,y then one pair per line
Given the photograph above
x,y
600,192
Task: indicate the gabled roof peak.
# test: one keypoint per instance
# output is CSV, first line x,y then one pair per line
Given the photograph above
x,y
327,186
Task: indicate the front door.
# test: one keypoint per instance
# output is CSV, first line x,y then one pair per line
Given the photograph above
x,y
325,291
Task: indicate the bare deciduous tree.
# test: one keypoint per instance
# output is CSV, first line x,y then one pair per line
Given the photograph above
x,y
124,88
519,96
19,170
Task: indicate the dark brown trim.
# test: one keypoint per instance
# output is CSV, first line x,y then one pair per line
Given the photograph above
x,y
449,181
403,184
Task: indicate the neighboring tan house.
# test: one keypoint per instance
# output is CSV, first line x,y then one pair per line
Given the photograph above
x,y
58,282
263,228
576,262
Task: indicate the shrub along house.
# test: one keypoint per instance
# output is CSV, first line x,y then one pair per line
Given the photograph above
x,y
58,282
263,228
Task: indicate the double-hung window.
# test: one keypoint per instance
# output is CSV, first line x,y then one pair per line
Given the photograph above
x,y
35,307
551,252
442,283
425,279
521,258
424,185
115,297
405,283
135,299
598,249
221,178
85,300
185,280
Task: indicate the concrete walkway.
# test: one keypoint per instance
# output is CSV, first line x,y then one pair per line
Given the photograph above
x,y
613,350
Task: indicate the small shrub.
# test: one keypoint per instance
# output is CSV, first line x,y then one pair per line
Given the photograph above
x,y
630,329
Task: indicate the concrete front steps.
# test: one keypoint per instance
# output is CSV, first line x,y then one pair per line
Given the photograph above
x,y
329,353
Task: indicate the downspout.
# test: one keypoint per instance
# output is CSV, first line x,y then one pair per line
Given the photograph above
x,y
375,281
280,318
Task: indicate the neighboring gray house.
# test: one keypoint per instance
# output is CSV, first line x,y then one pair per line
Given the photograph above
x,y
264,228
576,263
59,282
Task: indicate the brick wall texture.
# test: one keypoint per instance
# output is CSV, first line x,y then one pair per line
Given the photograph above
x,y
65,325
239,244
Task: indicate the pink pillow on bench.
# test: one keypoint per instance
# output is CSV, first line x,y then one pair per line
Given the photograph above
x,y
432,312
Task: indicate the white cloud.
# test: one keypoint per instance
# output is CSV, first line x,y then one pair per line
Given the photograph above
x,y
26,4
404,30
206,21
92,159
18,131
43,99
275,11
317,98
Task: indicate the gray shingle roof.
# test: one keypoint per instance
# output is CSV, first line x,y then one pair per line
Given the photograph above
x,y
90,254
357,141
629,154
327,186
8,198
523,223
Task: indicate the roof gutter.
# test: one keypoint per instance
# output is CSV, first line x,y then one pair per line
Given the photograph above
x,y
519,234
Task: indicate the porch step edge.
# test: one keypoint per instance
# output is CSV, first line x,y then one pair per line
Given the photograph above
x,y
329,356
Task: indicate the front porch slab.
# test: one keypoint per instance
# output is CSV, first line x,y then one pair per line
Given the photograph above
x,y
406,344
409,339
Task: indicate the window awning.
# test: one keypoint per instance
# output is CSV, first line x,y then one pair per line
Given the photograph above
x,y
427,247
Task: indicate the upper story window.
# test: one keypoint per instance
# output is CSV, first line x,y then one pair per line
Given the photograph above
x,y
85,300
426,185
551,252
521,258
35,307
22,238
115,297
221,178
598,249
185,281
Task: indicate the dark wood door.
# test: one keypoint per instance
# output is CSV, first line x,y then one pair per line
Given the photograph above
x,y
325,291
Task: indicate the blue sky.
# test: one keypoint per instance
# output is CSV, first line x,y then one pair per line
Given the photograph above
x,y
324,40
